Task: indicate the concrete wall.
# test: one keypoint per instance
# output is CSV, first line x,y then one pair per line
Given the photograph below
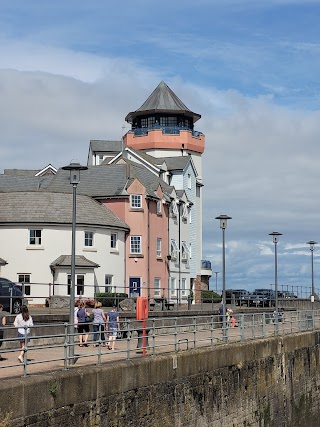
x,y
272,382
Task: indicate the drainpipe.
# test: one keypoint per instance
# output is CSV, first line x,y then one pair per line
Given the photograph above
x,y
169,253
148,203
179,289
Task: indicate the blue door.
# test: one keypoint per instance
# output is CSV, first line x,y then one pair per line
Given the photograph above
x,y
134,286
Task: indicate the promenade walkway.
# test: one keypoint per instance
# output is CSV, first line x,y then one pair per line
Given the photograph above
x,y
44,359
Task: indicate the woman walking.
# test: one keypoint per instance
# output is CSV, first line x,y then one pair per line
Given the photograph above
x,y
113,326
83,325
23,322
99,320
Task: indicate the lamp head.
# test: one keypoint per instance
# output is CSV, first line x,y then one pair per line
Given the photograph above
x,y
275,236
74,169
223,220
312,243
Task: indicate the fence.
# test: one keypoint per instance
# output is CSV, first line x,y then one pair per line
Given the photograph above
x,y
49,346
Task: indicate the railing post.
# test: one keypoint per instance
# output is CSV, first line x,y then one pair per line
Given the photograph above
x,y
65,346
25,353
129,336
194,332
175,334
242,327
153,336
263,325
99,346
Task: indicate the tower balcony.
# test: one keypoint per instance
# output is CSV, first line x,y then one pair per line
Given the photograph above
x,y
165,137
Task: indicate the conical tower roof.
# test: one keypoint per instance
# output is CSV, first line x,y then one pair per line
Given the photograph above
x,y
163,100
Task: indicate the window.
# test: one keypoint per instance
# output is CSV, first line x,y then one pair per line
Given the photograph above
x,y
174,250
172,286
168,121
135,201
151,122
135,244
100,158
189,181
108,283
183,287
157,286
190,217
159,241
35,237
114,241
144,123
174,209
88,238
79,284
185,251
185,212
25,278
159,207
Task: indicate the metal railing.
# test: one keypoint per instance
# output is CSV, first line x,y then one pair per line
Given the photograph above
x,y
48,348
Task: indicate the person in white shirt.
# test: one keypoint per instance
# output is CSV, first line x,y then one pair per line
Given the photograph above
x,y
23,322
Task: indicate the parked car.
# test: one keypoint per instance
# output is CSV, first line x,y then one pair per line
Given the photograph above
x,y
287,295
10,289
268,295
237,296
257,300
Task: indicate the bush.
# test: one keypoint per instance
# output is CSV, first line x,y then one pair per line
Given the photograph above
x,y
108,299
210,296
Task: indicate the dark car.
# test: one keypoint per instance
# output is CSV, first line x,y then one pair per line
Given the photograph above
x,y
10,291
268,295
257,300
287,295
237,296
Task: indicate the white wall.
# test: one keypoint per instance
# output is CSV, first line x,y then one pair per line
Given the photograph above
x,y
35,260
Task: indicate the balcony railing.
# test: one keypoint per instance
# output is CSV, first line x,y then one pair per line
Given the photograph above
x,y
171,130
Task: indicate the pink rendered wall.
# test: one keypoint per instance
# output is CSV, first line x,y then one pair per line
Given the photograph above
x,y
138,220
156,139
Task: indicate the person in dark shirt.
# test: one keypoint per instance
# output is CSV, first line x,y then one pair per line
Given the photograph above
x,y
2,323
113,326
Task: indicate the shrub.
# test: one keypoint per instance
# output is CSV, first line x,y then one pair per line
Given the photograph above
x,y
210,296
108,299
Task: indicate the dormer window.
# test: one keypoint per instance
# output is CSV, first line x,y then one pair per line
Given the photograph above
x,y
185,213
136,201
159,207
174,209
185,253
174,250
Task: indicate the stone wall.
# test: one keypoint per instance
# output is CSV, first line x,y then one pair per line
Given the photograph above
x,y
273,382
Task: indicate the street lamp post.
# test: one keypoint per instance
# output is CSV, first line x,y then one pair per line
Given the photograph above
x,y
275,237
74,169
223,225
312,244
216,273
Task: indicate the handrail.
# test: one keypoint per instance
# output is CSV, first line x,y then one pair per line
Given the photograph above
x,y
48,351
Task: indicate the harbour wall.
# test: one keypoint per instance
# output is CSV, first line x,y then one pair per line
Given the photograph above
x,y
271,382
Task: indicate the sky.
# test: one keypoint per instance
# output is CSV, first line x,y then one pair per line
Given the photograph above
x,y
71,71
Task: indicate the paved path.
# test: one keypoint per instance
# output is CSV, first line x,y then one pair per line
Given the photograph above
x,y
48,359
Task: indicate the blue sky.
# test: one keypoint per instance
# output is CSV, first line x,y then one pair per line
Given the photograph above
x,y
71,71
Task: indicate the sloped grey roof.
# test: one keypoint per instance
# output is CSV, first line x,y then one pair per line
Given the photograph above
x,y
174,163
55,208
105,146
20,172
163,99
81,261
97,181
3,262
24,183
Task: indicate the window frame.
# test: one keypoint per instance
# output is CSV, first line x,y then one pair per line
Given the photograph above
x,y
133,201
185,251
112,242
159,247
159,207
88,239
25,279
138,239
78,286
189,181
37,238
108,287
157,286
174,249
